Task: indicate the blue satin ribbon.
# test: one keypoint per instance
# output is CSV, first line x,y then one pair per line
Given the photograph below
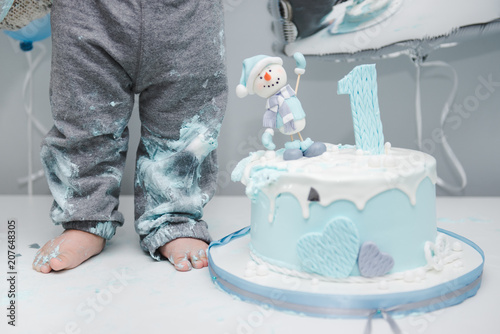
x,y
394,327
342,306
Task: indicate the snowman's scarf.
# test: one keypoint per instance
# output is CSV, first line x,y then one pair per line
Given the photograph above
x,y
277,104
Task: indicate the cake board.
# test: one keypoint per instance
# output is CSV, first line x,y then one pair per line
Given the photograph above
x,y
230,257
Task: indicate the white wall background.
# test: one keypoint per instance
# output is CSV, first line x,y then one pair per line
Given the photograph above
x,y
475,137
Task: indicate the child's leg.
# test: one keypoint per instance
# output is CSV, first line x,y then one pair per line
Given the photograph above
x,y
92,99
183,99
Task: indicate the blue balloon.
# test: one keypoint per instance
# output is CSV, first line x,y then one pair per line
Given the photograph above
x,y
35,31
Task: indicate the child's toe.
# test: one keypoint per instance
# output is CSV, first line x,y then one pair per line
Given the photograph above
x,y
45,269
199,258
181,262
60,262
183,265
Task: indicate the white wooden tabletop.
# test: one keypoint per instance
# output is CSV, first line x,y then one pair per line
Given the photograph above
x,y
124,291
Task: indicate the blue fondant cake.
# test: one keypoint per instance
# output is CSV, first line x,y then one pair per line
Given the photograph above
x,y
357,210
388,200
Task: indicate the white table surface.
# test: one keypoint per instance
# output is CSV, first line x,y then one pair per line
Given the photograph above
x,y
124,291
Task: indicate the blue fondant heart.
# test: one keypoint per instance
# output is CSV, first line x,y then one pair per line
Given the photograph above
x,y
372,262
333,252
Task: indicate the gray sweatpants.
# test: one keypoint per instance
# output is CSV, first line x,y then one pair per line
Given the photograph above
x,y
169,52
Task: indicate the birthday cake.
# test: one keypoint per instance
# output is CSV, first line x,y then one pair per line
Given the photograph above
x,y
366,210
360,219
344,213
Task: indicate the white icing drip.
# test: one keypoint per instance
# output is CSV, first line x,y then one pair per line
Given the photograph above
x,y
338,173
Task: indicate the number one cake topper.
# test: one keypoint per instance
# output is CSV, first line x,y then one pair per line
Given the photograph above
x,y
361,85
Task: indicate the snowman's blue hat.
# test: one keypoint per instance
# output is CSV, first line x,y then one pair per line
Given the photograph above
x,y
251,68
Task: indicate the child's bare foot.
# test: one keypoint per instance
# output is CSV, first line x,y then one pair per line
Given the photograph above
x,y
186,253
67,251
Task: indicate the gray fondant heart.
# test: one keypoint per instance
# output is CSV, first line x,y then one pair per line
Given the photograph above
x,y
372,262
331,253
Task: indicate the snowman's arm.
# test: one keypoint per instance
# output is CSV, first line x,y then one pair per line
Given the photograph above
x,y
300,63
267,139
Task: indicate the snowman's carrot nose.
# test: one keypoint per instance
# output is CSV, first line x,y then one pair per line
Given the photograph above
x,y
267,76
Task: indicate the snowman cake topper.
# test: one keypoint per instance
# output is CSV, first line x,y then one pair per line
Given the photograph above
x,y
265,76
